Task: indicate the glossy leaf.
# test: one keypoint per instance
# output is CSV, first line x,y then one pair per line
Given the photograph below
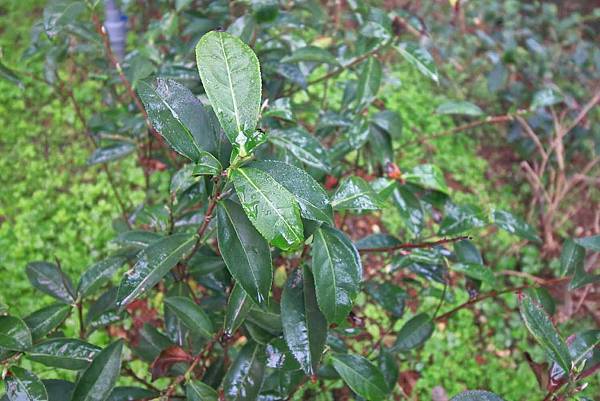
x,y
98,380
60,13
461,218
49,279
427,176
386,362
355,193
43,321
14,334
459,107
58,389
192,316
571,257
592,243
128,393
420,58
390,122
111,153
375,241
361,376
245,376
152,264
304,326
303,146
179,117
514,225
195,390
410,209
369,81
22,385
337,270
63,353
389,296
311,54
151,343
270,207
99,274
475,271
238,307
466,252
545,97
245,251
476,395
540,326
414,333
311,197
206,164
230,75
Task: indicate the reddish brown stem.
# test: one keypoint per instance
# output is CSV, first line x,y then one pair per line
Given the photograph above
x,y
410,245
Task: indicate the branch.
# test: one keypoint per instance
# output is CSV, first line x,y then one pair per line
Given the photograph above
x,y
409,245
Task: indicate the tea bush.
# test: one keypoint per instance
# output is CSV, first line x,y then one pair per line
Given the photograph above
x,y
261,270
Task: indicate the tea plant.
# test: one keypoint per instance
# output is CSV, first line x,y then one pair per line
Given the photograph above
x,y
241,282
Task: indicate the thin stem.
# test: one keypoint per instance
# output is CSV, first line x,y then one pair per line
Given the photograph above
x,y
410,245
140,380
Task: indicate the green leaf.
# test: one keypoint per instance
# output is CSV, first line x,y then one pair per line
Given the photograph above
x,y
270,207
49,279
303,146
97,381
368,82
245,251
230,74
191,315
414,333
58,14
361,376
459,107
311,197
14,334
43,321
420,58
427,176
151,343
206,164
466,252
63,353
304,326
540,326
592,243
179,117
390,122
410,209
153,263
238,307
111,153
476,395
389,296
375,241
514,225
127,393
10,76
195,390
461,218
57,389
545,97
571,258
386,362
245,376
355,193
99,274
476,271
22,385
312,54
137,238
338,273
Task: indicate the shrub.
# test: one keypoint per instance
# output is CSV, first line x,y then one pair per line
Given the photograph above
x,y
245,274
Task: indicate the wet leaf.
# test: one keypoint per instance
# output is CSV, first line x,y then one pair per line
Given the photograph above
x,y
303,146
270,207
99,274
111,153
311,54
245,376
245,251
592,243
98,380
14,334
230,74
337,269
459,107
476,395
238,307
571,258
514,225
427,176
49,279
414,333
304,326
192,316
420,58
369,81
43,321
355,193
22,385
63,353
152,264
195,390
361,376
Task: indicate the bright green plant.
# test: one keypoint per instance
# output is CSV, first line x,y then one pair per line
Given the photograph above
x,y
196,315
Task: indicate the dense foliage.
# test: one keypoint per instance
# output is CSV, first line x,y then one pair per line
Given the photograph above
x,y
245,272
